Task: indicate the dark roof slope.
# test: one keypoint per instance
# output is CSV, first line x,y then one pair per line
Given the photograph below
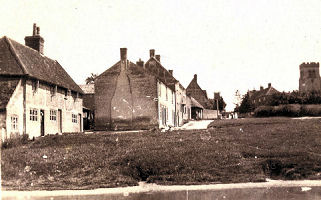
x,y
155,68
264,92
194,85
7,87
27,61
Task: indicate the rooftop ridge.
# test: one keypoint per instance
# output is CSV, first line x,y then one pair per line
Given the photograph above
x,y
15,55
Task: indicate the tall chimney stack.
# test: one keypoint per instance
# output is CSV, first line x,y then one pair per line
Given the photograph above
x,y
151,53
195,77
261,88
35,41
123,53
140,63
158,58
34,32
269,85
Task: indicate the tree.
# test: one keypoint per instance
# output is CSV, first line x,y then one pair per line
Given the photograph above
x,y
221,104
237,100
91,78
246,105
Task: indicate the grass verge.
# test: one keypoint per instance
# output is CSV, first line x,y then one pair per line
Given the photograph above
x,y
229,151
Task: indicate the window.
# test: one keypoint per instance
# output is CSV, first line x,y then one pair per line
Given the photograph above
x,y
14,123
53,115
167,114
74,118
53,90
172,97
35,85
166,94
33,114
159,89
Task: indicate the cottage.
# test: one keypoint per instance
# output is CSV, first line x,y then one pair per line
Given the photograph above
x,y
195,91
132,96
262,96
88,105
37,96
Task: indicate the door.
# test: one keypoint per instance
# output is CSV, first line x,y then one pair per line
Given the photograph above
x,y
42,122
80,124
59,121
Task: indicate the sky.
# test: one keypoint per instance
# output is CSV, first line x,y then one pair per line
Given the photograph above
x,y
230,44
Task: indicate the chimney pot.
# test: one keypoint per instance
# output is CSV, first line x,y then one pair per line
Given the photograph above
x,y
269,85
170,71
140,63
123,53
195,77
158,58
35,41
151,53
34,31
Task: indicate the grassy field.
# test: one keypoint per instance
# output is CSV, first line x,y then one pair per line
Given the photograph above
x,y
229,151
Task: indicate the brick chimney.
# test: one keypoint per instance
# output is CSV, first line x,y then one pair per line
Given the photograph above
x,y
140,63
158,58
195,77
170,71
123,53
151,53
35,41
269,85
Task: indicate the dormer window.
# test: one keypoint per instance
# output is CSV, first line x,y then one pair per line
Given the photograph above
x,y
35,85
53,90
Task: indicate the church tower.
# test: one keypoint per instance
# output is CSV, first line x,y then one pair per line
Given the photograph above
x,y
309,77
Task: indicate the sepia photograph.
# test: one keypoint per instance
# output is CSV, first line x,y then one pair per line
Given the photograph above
x,y
160,99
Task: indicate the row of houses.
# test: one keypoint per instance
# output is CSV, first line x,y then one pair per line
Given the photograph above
x,y
129,96
38,97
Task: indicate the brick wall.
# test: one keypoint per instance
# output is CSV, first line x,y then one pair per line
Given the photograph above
x,y
105,86
124,97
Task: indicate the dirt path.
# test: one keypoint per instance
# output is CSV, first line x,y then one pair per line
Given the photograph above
x,y
202,124
143,188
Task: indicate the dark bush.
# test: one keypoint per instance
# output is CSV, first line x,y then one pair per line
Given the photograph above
x,y
15,141
311,110
263,111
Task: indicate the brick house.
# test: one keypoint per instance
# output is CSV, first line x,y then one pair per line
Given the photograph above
x,y
262,96
131,96
37,96
195,91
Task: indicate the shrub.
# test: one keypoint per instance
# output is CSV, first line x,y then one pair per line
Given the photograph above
x,y
263,111
311,110
15,141
289,110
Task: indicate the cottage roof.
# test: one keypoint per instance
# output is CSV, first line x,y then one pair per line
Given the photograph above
x,y
264,92
195,103
7,88
17,59
193,84
155,68
88,88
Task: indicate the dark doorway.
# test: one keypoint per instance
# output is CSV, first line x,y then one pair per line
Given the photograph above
x,y
42,122
59,121
80,124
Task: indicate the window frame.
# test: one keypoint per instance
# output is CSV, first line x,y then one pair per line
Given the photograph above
x,y
14,123
33,114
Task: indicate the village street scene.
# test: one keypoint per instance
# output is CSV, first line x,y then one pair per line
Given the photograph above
x,y
160,100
